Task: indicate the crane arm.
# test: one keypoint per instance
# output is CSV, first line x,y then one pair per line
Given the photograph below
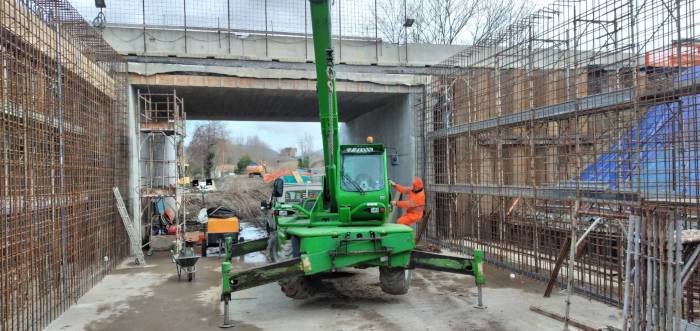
x,y
327,100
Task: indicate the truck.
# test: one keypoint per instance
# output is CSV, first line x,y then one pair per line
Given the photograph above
x,y
347,226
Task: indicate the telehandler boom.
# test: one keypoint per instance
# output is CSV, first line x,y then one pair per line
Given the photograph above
x,y
348,225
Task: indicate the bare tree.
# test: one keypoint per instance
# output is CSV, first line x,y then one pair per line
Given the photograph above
x,y
498,15
212,146
306,146
448,21
442,21
391,17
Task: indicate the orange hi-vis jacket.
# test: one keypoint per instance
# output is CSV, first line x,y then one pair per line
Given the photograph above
x,y
414,204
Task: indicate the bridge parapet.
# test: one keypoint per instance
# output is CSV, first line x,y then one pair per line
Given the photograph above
x,y
221,44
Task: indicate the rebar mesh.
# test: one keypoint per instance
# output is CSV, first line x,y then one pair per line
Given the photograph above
x,y
64,145
584,110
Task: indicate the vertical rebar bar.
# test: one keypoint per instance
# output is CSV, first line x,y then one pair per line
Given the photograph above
x,y
376,33
628,271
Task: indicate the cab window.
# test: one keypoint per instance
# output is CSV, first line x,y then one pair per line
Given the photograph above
x,y
362,172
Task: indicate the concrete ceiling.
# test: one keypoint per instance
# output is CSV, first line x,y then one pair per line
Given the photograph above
x,y
217,103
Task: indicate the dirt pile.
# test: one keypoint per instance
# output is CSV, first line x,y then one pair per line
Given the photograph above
x,y
239,193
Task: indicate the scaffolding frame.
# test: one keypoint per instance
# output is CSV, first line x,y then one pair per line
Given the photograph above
x,y
162,130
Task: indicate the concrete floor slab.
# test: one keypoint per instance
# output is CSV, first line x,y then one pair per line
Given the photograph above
x,y
153,299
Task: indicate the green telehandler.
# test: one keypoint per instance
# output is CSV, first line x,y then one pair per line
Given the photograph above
x,y
348,224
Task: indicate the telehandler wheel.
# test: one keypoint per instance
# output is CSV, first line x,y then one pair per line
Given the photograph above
x,y
394,281
295,287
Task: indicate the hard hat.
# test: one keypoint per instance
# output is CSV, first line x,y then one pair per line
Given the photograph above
x,y
417,184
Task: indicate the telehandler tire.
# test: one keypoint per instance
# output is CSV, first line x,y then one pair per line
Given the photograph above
x,y
295,287
394,281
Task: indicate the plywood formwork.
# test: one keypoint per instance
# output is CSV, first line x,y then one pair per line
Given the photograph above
x,y
63,144
558,121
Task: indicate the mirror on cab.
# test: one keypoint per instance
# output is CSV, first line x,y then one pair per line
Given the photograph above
x,y
278,188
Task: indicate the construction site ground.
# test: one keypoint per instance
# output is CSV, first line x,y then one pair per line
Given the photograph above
x,y
237,192
152,298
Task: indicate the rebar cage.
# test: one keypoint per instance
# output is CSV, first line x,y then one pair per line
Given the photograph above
x,y
64,146
582,111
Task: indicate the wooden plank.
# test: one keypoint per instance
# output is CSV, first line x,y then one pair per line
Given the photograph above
x,y
557,266
423,225
560,260
560,318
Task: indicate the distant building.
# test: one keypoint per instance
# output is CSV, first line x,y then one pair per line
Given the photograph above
x,y
288,152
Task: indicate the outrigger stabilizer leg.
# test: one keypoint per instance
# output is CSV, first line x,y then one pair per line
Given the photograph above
x,y
469,265
244,279
233,281
232,250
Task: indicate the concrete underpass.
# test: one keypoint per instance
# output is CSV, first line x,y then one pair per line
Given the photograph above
x,y
500,131
374,100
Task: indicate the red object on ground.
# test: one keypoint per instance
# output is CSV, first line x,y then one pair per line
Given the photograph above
x,y
172,229
170,215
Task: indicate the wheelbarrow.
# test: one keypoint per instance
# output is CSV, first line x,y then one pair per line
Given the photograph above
x,y
186,262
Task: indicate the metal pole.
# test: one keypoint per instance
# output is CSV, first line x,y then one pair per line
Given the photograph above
x,y
628,270
340,33
572,262
690,265
61,158
306,32
184,16
480,304
670,228
574,212
228,20
143,19
405,35
266,46
590,228
637,274
227,322
376,33
679,286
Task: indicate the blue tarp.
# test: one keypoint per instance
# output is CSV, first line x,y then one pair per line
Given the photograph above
x,y
292,180
662,150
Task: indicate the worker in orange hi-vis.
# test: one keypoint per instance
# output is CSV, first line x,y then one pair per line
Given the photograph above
x,y
414,205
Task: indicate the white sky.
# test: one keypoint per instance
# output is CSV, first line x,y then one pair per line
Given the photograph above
x,y
276,134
